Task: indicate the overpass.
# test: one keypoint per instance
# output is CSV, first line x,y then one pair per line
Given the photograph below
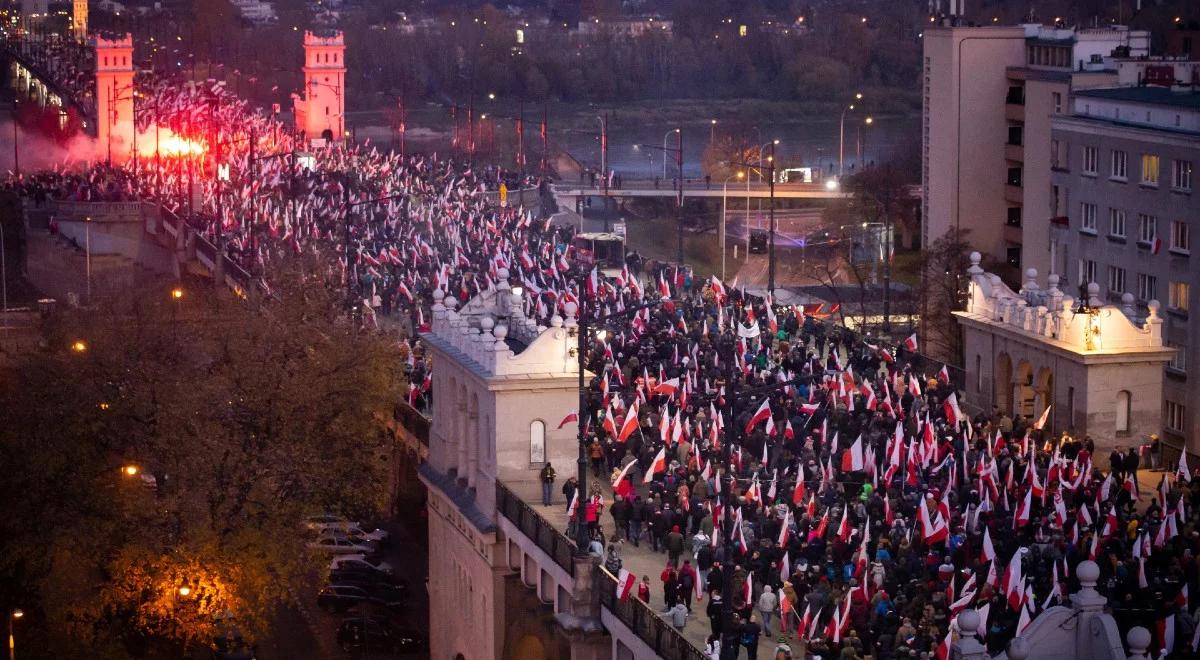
x,y
699,188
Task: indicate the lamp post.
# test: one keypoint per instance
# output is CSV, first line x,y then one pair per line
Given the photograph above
x,y
87,249
12,640
664,148
842,134
678,149
770,168
582,350
724,202
603,119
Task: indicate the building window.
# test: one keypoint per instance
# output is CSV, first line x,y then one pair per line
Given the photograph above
x,y
1179,359
1014,176
1181,237
1016,95
1116,279
1181,175
1178,296
1087,271
1015,135
1057,99
1147,287
1149,170
1119,165
1124,403
1014,256
978,373
1087,217
1089,160
1014,216
537,442
1057,155
1147,228
1175,416
1116,223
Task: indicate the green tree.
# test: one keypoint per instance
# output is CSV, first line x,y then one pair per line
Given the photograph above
x,y
244,415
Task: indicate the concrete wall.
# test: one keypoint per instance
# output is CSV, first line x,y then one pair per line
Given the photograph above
x,y
964,91
1037,202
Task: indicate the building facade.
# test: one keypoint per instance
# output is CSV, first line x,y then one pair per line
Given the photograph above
x,y
114,95
1124,185
1097,367
989,94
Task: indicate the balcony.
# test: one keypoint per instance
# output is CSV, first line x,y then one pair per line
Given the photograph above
x,y
1011,234
1013,194
1014,152
1014,112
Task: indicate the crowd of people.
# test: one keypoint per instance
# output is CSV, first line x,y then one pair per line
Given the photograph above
x,y
828,489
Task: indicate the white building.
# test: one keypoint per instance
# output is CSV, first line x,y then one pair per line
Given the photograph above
x,y
1099,366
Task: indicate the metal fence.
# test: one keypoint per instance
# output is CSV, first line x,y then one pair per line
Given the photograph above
x,y
655,631
553,542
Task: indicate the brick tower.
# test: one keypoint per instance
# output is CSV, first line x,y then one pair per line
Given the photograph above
x,y
79,20
114,95
320,112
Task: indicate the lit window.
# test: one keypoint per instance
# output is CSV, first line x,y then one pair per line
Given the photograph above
x,y
1149,170
1178,298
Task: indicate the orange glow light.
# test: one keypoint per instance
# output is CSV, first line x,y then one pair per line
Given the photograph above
x,y
169,144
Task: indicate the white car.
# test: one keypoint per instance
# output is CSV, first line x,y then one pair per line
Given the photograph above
x,y
360,562
354,530
342,545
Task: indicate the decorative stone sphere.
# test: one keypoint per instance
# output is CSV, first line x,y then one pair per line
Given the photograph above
x,y
1031,274
502,274
968,623
438,295
1153,306
451,302
1093,289
486,323
1018,649
1087,572
1138,638
500,331
571,308
556,321
1052,280
1126,298
975,258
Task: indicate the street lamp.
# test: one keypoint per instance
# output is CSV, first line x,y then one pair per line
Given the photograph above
x,y
712,132
130,470
12,640
724,201
177,293
185,591
664,148
771,212
79,346
842,132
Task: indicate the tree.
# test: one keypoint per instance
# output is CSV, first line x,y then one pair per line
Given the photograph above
x,y
942,267
241,416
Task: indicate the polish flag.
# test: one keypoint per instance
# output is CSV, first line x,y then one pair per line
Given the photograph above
x,y
809,408
761,415
659,464
1166,635
631,423
954,414
1022,517
610,422
572,416
785,529
943,647
798,491
910,343
574,504
843,532
888,516
785,566
932,530
852,458
788,433
1012,582
1041,422
667,387
943,375
625,582
989,551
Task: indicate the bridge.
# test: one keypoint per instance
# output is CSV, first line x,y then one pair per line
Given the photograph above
x,y
699,188
52,73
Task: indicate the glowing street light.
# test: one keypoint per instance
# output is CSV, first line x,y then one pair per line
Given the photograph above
x,y
79,346
177,293
185,591
130,470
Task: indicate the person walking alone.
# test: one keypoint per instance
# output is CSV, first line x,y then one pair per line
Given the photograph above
x,y
547,478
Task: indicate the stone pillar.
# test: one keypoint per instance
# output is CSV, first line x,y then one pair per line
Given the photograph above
x,y
969,647
581,624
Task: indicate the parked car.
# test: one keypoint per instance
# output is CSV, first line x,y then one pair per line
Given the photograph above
x,y
378,634
339,598
359,562
355,575
342,545
355,530
382,593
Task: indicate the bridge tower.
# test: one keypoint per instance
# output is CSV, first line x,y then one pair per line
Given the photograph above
x,y
114,95
321,111
79,20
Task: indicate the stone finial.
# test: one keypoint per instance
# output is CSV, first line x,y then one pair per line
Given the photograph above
x,y
969,647
1018,649
556,321
1093,292
1153,306
1138,639
968,623
1052,281
502,275
486,323
451,303
1127,305
571,309
1030,283
974,268
1087,599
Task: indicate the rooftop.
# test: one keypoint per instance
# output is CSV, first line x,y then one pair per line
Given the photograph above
x,y
1148,95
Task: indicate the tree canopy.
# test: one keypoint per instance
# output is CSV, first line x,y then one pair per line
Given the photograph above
x,y
161,452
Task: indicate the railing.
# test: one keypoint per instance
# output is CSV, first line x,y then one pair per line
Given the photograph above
x,y
553,542
655,631
413,421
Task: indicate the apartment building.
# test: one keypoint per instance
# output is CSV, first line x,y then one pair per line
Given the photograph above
x,y
1124,191
989,96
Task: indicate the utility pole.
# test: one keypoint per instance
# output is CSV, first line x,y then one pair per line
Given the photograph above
x,y
604,166
16,149
679,195
887,261
545,138
771,211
